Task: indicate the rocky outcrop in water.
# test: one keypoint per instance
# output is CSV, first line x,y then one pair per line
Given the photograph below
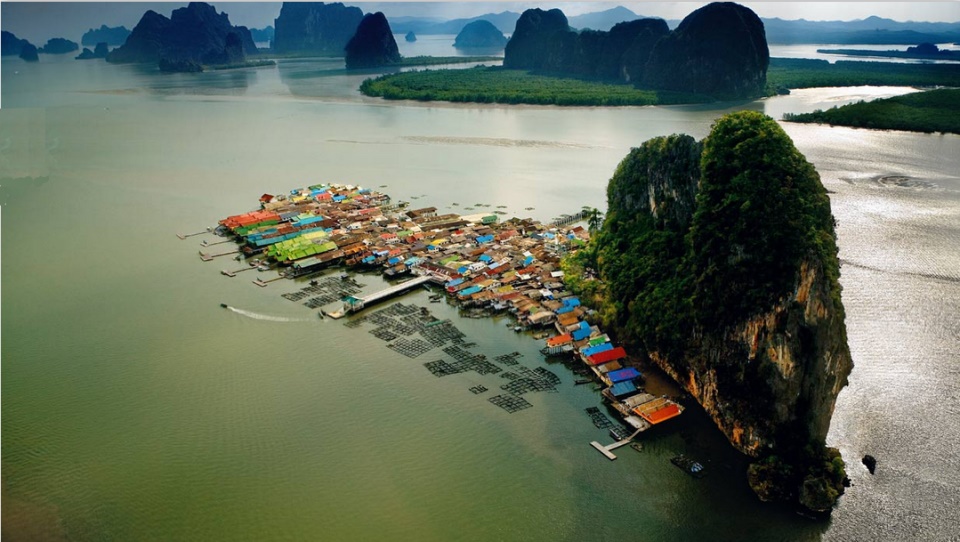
x,y
373,44
480,35
720,263
100,51
10,44
410,37
59,46
719,50
109,35
315,27
192,37
28,52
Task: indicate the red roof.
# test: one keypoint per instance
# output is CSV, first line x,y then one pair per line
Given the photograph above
x,y
609,355
659,415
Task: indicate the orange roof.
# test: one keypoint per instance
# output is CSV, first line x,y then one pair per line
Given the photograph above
x,y
671,410
559,340
567,319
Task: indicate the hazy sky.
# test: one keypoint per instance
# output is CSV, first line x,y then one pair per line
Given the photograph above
x,y
39,21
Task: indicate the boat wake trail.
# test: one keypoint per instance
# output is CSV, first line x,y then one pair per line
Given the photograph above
x,y
265,317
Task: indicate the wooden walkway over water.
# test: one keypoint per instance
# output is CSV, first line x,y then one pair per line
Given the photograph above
x,y
356,304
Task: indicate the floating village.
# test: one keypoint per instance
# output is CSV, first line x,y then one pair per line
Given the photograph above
x,y
483,264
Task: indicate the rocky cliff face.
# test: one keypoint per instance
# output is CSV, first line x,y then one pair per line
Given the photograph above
x,y
719,49
542,40
193,36
143,43
720,263
481,35
315,27
10,44
373,45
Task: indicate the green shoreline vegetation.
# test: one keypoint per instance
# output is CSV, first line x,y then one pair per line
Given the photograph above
x,y
930,111
501,85
506,86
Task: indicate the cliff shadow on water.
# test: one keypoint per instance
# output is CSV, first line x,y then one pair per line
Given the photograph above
x,y
718,260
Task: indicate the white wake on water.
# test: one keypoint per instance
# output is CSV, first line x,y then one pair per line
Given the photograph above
x,y
265,317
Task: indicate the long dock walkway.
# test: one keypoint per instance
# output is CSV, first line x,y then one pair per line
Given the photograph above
x,y
605,450
358,303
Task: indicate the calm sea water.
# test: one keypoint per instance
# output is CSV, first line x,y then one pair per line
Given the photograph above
x,y
135,408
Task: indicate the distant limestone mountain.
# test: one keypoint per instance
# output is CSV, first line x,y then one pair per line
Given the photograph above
x,y
100,51
109,35
719,50
261,35
59,46
480,35
872,30
504,21
373,45
193,36
602,20
315,27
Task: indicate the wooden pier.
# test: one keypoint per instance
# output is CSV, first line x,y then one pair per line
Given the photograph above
x,y
605,450
183,236
563,220
356,304
208,257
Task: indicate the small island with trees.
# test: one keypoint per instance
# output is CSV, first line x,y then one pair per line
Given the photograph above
x,y
930,111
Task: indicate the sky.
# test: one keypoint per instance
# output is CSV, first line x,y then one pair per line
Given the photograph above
x,y
40,21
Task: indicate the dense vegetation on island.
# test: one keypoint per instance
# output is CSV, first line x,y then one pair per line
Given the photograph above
x,y
808,73
498,85
930,111
718,259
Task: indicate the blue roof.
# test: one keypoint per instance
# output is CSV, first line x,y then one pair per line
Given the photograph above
x,y
462,269
485,238
368,259
413,260
584,325
339,198
528,260
622,375
454,282
485,258
469,291
394,260
549,235
623,388
581,334
572,302
597,349
564,310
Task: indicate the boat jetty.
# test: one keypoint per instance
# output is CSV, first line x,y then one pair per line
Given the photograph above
x,y
480,262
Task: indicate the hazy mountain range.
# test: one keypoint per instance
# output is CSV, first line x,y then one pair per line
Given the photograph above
x,y
875,30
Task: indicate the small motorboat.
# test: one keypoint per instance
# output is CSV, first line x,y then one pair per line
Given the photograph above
x,y
224,305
